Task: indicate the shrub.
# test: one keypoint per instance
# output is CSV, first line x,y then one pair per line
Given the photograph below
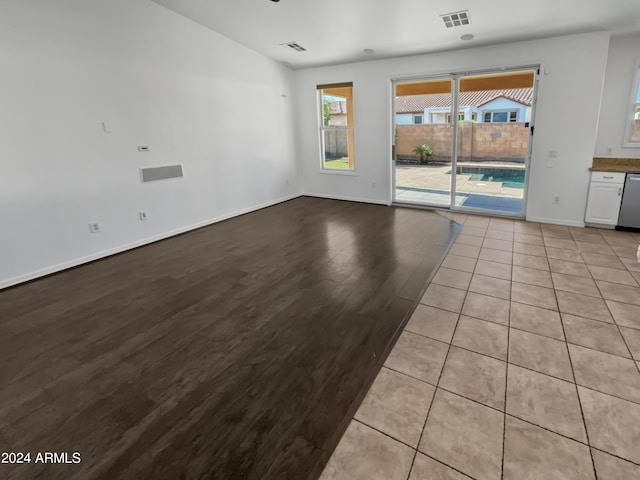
x,y
425,152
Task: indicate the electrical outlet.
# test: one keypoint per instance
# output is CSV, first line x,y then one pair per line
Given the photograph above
x,y
94,227
143,148
143,215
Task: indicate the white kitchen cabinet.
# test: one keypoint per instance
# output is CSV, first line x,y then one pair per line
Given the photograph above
x,y
605,196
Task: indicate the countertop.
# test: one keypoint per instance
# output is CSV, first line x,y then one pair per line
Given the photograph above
x,y
623,165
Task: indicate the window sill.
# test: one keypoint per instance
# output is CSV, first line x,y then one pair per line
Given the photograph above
x,y
328,171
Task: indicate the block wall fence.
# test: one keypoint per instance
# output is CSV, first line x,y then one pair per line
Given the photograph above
x,y
476,141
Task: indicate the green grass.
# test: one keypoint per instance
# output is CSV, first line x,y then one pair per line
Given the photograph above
x,y
337,164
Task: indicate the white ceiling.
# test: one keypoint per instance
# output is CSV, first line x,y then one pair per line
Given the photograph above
x,y
337,31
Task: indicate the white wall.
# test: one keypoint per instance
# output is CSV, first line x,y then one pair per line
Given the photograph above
x,y
467,111
436,115
570,90
157,79
624,54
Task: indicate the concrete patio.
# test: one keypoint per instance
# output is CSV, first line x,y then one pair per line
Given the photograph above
x,y
431,184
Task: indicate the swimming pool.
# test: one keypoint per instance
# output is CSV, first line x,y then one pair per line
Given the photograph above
x,y
510,178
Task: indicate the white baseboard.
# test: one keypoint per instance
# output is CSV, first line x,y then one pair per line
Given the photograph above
x,y
123,248
342,197
555,221
599,225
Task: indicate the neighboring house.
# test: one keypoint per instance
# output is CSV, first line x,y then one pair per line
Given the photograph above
x,y
484,106
338,111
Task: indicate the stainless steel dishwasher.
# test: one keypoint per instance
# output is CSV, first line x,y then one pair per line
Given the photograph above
x,y
630,208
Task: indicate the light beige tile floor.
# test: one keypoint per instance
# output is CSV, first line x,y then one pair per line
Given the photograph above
x,y
520,362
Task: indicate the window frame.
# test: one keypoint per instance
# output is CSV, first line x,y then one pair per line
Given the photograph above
x,y
491,114
629,141
416,115
450,116
350,130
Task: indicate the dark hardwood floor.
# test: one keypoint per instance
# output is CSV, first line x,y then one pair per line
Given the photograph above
x,y
236,351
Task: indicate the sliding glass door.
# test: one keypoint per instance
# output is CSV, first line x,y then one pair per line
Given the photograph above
x,y
423,146
462,141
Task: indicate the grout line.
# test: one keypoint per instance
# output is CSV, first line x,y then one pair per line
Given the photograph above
x,y
395,439
435,391
616,456
447,465
584,421
432,283
408,376
536,333
601,351
461,347
415,452
586,429
601,298
548,375
473,400
438,308
547,429
512,416
607,394
506,383
487,274
458,269
624,340
475,351
450,345
504,411
426,336
613,322
516,364
484,319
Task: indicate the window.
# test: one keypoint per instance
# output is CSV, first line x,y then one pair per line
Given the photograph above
x,y
496,117
632,135
460,117
417,119
474,116
336,137
500,117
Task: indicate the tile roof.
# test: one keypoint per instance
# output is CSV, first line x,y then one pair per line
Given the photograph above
x,y
417,103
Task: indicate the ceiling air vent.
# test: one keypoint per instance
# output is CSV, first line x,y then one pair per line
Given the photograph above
x,y
456,19
297,47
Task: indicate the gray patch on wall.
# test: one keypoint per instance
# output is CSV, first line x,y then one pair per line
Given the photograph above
x,y
153,174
